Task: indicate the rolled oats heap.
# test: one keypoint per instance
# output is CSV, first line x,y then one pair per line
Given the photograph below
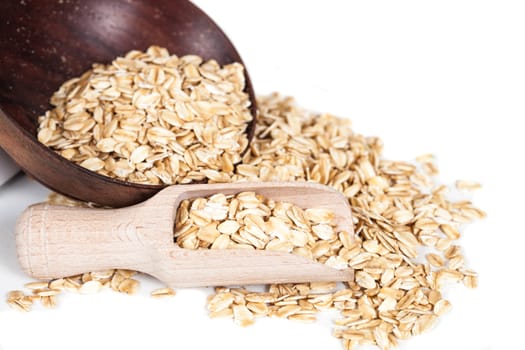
x,y
151,118
251,221
407,230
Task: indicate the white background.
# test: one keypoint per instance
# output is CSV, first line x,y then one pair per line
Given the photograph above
x,y
446,77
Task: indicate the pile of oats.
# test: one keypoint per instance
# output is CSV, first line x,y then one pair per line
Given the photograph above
x,y
406,247
151,118
251,221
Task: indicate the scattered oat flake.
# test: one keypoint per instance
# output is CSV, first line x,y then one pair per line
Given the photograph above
x,y
90,287
47,292
129,286
442,307
467,185
163,292
242,316
37,285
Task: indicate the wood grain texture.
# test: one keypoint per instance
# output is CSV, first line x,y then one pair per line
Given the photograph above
x,y
54,241
46,42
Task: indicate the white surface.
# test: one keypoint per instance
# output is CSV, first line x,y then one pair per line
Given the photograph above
x,y
7,168
443,77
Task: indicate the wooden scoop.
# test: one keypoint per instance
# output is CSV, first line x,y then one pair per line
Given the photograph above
x,y
57,241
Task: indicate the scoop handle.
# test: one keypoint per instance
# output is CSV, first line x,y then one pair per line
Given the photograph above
x,y
58,241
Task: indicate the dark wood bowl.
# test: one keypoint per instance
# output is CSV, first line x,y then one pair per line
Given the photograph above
x,y
46,42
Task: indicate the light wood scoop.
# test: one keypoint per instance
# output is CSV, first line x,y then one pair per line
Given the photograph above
x,y
58,241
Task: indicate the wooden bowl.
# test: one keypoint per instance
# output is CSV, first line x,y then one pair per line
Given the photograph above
x,y
46,42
